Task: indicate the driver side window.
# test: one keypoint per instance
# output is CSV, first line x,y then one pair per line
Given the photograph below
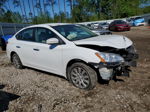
x,y
43,34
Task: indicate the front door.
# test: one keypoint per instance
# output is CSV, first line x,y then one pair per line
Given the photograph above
x,y
47,57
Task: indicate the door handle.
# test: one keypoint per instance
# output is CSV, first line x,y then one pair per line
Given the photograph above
x,y
35,49
18,47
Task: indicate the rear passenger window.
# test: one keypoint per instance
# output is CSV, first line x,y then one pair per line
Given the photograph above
x,y
26,35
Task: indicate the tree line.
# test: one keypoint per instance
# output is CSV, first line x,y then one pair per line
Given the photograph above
x,y
44,11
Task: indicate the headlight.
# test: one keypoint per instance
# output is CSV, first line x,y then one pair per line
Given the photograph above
x,y
109,57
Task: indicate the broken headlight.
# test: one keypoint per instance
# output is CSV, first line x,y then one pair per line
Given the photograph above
x,y
109,57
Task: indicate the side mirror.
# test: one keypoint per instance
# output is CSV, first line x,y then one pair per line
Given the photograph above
x,y
52,41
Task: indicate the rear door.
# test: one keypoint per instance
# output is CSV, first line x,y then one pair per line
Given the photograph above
x,y
24,46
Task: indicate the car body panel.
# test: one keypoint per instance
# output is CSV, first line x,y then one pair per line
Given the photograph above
x,y
115,41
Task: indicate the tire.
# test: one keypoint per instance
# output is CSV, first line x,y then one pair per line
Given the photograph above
x,y
82,76
3,44
16,61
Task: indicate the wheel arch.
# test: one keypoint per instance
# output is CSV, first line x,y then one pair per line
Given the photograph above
x,y
78,60
74,61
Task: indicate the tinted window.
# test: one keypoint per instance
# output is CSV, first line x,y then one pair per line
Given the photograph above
x,y
104,23
120,22
112,23
138,18
26,35
43,34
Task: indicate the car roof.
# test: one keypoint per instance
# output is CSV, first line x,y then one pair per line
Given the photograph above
x,y
48,24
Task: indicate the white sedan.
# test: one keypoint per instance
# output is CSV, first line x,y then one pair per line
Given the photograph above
x,y
73,52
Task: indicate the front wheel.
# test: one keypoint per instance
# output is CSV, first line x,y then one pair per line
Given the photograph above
x,y
82,76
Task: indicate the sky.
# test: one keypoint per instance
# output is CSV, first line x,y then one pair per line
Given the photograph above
x,y
56,9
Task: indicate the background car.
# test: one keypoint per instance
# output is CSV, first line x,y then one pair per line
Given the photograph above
x,y
119,25
7,30
95,25
4,40
103,25
137,21
98,31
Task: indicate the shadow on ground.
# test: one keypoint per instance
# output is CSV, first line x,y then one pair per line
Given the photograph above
x,y
5,98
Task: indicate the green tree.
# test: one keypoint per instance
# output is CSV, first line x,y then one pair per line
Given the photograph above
x,y
16,18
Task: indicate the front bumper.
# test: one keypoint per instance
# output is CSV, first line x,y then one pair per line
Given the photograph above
x,y
107,70
114,64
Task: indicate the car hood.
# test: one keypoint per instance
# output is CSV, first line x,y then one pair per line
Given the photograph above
x,y
115,41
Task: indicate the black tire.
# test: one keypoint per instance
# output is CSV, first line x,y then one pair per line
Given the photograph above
x,y
16,61
3,44
88,78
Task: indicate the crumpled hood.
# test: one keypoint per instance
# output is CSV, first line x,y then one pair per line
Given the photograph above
x,y
115,41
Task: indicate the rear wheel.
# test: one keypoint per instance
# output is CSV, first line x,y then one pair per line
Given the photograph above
x,y
16,61
82,76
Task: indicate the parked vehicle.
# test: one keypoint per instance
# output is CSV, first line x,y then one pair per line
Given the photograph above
x,y
149,22
95,25
137,21
98,31
7,30
119,25
73,52
104,25
3,41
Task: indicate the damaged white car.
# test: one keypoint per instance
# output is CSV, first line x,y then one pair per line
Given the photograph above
x,y
73,52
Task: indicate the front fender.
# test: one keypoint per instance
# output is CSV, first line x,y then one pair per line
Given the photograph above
x,y
85,54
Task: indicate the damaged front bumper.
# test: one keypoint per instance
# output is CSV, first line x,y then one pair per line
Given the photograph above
x,y
108,70
114,64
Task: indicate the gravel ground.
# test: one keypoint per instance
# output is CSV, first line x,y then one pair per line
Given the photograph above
x,y
30,90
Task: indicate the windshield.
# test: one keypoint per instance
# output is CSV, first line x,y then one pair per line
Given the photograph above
x,y
74,32
138,18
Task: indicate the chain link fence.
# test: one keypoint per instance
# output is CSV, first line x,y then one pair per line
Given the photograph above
x,y
10,28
